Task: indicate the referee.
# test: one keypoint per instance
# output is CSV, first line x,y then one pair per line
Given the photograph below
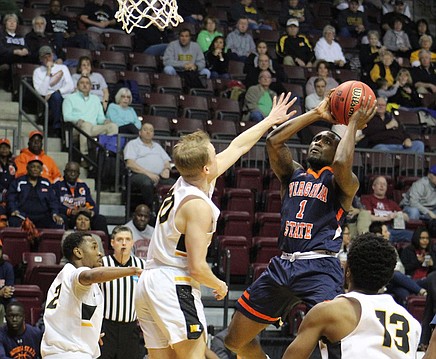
x,y
121,339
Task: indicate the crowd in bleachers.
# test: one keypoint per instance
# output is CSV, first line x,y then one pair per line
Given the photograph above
x,y
225,61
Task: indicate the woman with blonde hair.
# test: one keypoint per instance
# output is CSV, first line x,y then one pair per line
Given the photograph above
x,y
209,32
425,43
406,95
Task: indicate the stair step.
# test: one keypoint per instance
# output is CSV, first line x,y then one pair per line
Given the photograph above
x,y
112,199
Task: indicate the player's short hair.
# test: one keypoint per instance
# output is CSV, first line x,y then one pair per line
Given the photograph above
x,y
371,260
119,229
72,241
190,154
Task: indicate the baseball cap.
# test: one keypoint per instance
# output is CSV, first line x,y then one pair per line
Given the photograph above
x,y
433,170
6,141
45,50
292,22
34,133
35,159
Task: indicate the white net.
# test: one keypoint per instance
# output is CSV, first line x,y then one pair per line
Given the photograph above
x,y
144,13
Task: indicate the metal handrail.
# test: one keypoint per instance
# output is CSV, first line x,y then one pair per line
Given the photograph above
x,y
14,130
22,113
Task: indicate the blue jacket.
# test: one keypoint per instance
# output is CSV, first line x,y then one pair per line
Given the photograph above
x,y
19,192
71,198
26,345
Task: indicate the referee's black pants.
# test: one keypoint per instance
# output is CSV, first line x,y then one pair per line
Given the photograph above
x,y
121,340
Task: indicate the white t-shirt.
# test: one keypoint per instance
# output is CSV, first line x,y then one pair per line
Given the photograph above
x,y
150,158
73,317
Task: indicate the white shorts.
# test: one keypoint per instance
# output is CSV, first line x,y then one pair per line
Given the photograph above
x,y
169,307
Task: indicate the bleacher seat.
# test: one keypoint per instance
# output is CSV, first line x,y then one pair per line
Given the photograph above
x,y
181,125
161,124
267,224
256,269
161,104
235,223
250,178
221,130
167,84
239,248
140,62
239,199
272,201
34,259
194,107
415,304
111,60
51,242
15,243
30,295
265,248
225,109
43,276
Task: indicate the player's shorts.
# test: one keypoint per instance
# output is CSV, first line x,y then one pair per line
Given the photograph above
x,y
169,308
271,296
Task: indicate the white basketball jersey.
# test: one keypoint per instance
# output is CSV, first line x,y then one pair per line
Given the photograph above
x,y
385,330
167,246
73,317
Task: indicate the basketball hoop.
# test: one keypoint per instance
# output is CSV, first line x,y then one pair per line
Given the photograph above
x,y
161,13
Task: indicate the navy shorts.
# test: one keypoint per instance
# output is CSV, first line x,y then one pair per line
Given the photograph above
x,y
272,295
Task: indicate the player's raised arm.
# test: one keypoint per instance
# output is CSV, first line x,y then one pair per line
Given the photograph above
x,y
246,140
343,161
106,274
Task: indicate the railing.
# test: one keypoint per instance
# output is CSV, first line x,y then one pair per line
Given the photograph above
x,y
21,113
100,152
5,133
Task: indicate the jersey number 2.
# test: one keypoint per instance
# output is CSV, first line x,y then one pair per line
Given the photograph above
x,y
401,333
54,302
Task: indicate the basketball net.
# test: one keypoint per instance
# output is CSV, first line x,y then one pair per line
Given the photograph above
x,y
161,13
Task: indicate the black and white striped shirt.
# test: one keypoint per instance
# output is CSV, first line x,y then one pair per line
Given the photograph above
x,y
119,293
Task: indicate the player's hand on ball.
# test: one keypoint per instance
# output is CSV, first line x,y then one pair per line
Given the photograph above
x,y
323,109
365,113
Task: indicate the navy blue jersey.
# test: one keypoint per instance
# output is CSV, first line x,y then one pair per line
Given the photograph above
x,y
311,213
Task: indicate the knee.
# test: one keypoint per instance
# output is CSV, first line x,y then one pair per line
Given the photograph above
x,y
169,70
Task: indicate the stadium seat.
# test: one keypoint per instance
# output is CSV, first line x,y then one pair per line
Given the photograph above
x,y
30,295
140,62
239,199
181,125
34,259
161,104
272,201
272,182
75,6
295,74
15,243
256,269
43,276
221,130
410,120
415,304
236,70
194,107
117,42
264,248
267,224
75,53
168,84
161,124
51,242
225,109
239,248
111,60
142,78
235,223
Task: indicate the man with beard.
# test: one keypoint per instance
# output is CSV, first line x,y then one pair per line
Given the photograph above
x,y
37,38
314,206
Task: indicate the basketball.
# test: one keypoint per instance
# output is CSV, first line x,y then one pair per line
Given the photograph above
x,y
347,98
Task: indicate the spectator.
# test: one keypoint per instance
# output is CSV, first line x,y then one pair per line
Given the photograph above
x,y
32,196
351,21
420,201
37,38
383,89
14,48
322,71
406,94
192,11
75,198
122,114
184,55
387,20
387,68
7,281
217,59
18,339
98,83
387,7
245,9
75,306
99,17
120,325
385,133
63,29
82,223
7,174
52,81
370,53
209,32
239,42
50,169
328,49
397,41
296,9
425,43
149,163
401,285
151,40
294,47
140,227
313,100
424,76
419,258
259,98
252,60
84,110
385,210
264,63
422,28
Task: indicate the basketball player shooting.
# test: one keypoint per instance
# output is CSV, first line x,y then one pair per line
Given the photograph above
x,y
314,206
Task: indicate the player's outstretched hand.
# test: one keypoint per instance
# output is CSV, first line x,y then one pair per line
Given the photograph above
x,y
281,105
323,109
365,113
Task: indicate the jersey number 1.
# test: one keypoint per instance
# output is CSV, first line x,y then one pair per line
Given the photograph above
x,y
300,213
